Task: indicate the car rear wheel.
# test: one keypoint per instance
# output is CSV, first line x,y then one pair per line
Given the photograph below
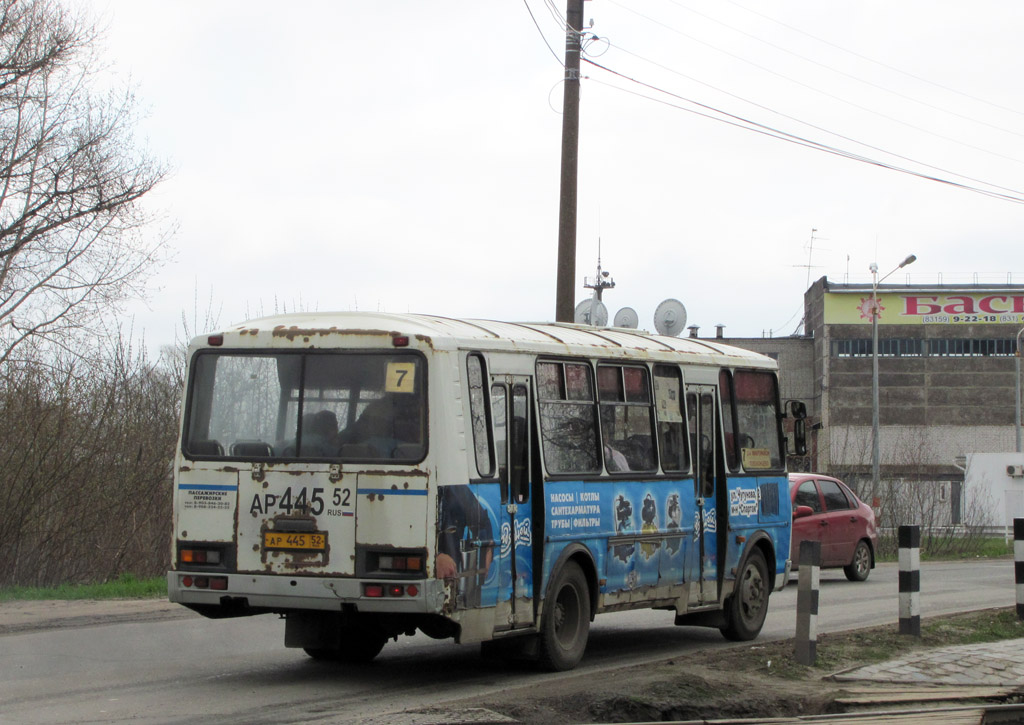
x,y
858,569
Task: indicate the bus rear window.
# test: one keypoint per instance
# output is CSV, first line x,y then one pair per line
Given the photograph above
x,y
345,406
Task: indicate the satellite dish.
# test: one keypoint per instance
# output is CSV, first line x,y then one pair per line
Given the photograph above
x,y
582,314
626,317
670,317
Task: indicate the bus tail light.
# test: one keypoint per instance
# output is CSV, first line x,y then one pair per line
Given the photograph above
x,y
218,583
380,591
395,562
199,556
400,563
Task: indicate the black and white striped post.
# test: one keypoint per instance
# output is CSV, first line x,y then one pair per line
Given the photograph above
x,y
909,539
1018,564
807,602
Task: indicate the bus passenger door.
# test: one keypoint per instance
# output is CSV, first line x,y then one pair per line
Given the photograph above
x,y
510,415
701,566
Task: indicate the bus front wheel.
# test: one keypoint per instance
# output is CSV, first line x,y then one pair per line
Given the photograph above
x,y
566,626
746,609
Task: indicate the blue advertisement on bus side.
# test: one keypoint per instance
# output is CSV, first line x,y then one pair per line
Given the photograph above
x,y
639,533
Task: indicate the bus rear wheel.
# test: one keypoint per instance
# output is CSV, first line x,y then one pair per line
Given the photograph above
x,y
358,645
566,626
747,607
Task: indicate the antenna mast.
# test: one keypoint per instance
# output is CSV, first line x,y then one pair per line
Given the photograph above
x,y
601,280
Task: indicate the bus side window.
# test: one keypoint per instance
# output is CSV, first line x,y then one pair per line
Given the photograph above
x,y
519,442
707,445
475,374
499,420
624,395
568,417
725,391
668,398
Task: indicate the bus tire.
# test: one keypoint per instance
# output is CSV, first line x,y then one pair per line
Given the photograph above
x,y
747,607
860,567
359,645
566,625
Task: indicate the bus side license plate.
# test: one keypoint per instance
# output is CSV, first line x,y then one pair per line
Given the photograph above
x,y
294,541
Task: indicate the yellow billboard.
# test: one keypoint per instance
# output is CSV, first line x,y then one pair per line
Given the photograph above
x,y
925,308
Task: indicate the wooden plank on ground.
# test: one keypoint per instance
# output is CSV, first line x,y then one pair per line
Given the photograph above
x,y
957,716
935,693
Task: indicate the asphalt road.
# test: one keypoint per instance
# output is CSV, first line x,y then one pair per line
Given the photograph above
x,y
238,671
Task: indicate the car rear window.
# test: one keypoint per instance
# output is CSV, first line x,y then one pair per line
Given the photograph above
x,y
835,499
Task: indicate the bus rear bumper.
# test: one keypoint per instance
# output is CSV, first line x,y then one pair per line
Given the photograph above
x,y
244,593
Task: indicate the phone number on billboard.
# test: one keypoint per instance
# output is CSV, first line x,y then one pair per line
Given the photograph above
x,y
955,319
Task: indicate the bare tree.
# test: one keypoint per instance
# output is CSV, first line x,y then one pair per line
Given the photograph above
x,y
71,181
85,469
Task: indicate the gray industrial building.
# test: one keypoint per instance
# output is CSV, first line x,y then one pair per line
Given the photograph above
x,y
946,358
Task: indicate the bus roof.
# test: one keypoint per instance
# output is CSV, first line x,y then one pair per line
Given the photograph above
x,y
313,330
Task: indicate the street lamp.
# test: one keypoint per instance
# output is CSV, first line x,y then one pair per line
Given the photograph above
x,y
1020,335
874,369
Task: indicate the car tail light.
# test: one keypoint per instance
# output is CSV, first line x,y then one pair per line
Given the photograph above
x,y
373,590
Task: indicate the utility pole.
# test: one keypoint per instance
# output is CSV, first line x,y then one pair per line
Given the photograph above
x,y
564,297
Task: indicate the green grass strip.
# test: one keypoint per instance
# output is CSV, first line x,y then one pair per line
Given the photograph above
x,y
127,586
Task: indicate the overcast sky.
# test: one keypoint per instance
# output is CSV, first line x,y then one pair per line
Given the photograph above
x,y
404,155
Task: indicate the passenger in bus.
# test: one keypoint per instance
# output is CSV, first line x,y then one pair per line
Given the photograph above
x,y
387,426
319,434
614,461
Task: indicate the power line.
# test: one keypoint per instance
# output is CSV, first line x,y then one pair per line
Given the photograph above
x,y
878,62
750,125
811,125
541,32
814,89
839,72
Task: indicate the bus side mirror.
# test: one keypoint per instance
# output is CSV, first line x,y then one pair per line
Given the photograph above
x,y
800,437
797,409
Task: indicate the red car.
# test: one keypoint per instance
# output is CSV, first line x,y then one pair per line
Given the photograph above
x,y
826,510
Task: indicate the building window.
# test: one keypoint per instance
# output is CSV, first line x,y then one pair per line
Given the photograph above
x,y
972,348
901,347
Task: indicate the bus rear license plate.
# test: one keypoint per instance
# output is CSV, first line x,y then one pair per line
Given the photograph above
x,y
289,541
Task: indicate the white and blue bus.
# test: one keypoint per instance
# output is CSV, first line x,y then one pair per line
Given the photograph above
x,y
369,475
